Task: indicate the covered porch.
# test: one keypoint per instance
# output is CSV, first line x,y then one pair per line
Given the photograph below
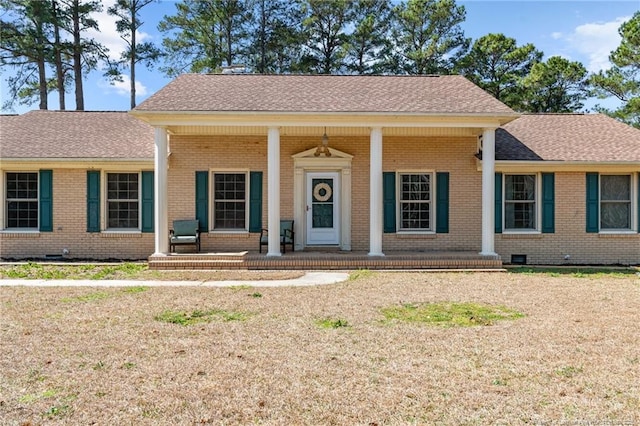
x,y
306,165
333,159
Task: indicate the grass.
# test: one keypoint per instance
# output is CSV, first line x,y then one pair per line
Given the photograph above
x,y
33,270
129,271
135,289
577,272
360,274
186,318
29,398
332,323
96,296
569,371
89,297
449,314
322,356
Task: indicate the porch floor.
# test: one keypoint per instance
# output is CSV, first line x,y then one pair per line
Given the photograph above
x,y
326,260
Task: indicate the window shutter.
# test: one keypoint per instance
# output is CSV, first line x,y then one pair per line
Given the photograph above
x,y
45,193
255,201
592,197
548,203
442,202
147,201
498,205
202,200
93,201
389,201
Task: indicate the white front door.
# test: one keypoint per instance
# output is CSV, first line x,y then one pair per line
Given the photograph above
x,y
323,208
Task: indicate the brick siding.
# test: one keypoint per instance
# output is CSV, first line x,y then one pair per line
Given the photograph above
x,y
249,153
570,238
70,229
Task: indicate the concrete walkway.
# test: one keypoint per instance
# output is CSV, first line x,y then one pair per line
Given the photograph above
x,y
308,279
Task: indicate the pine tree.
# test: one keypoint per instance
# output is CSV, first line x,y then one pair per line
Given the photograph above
x,y
497,64
25,46
128,23
427,36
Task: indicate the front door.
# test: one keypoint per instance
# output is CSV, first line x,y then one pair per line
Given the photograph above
x,y
323,209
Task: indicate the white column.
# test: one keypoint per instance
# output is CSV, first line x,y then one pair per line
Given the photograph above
x,y
160,191
345,217
273,191
375,193
299,202
488,191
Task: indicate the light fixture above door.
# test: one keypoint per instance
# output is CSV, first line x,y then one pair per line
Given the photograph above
x,y
323,146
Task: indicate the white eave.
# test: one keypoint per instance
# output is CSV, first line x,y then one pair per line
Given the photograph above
x,y
75,163
338,119
563,166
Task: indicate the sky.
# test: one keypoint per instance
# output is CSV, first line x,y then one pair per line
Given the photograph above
x,y
585,31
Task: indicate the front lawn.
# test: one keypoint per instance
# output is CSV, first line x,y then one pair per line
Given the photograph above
x,y
563,349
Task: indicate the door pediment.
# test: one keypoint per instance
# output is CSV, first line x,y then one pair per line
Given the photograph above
x,y
309,153
338,159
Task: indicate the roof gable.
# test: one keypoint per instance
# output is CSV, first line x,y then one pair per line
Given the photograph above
x,y
433,95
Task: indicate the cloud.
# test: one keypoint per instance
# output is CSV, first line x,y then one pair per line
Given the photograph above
x,y
557,35
108,36
595,41
123,88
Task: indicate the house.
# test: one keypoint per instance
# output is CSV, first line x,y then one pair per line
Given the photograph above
x,y
375,165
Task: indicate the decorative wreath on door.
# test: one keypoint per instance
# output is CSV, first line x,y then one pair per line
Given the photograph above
x,y
322,192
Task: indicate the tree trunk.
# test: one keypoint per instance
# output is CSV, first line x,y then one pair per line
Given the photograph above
x,y
77,56
263,38
42,83
132,64
57,49
41,52
229,45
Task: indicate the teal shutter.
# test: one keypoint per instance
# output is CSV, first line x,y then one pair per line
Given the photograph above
x,y
498,205
202,200
389,201
93,201
255,201
548,203
147,201
46,200
442,202
592,202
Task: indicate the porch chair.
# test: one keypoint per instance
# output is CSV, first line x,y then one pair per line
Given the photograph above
x,y
184,232
287,235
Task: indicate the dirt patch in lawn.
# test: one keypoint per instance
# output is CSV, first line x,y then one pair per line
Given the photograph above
x,y
105,356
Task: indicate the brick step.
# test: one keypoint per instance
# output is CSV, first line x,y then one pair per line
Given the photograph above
x,y
326,261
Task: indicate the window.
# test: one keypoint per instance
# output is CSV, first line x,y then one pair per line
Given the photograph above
x,y
615,202
230,201
123,203
520,202
22,200
415,202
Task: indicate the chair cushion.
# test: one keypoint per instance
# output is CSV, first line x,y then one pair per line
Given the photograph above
x,y
183,239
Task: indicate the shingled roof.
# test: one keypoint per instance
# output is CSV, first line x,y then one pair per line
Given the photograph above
x,y
74,135
433,95
568,137
119,136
